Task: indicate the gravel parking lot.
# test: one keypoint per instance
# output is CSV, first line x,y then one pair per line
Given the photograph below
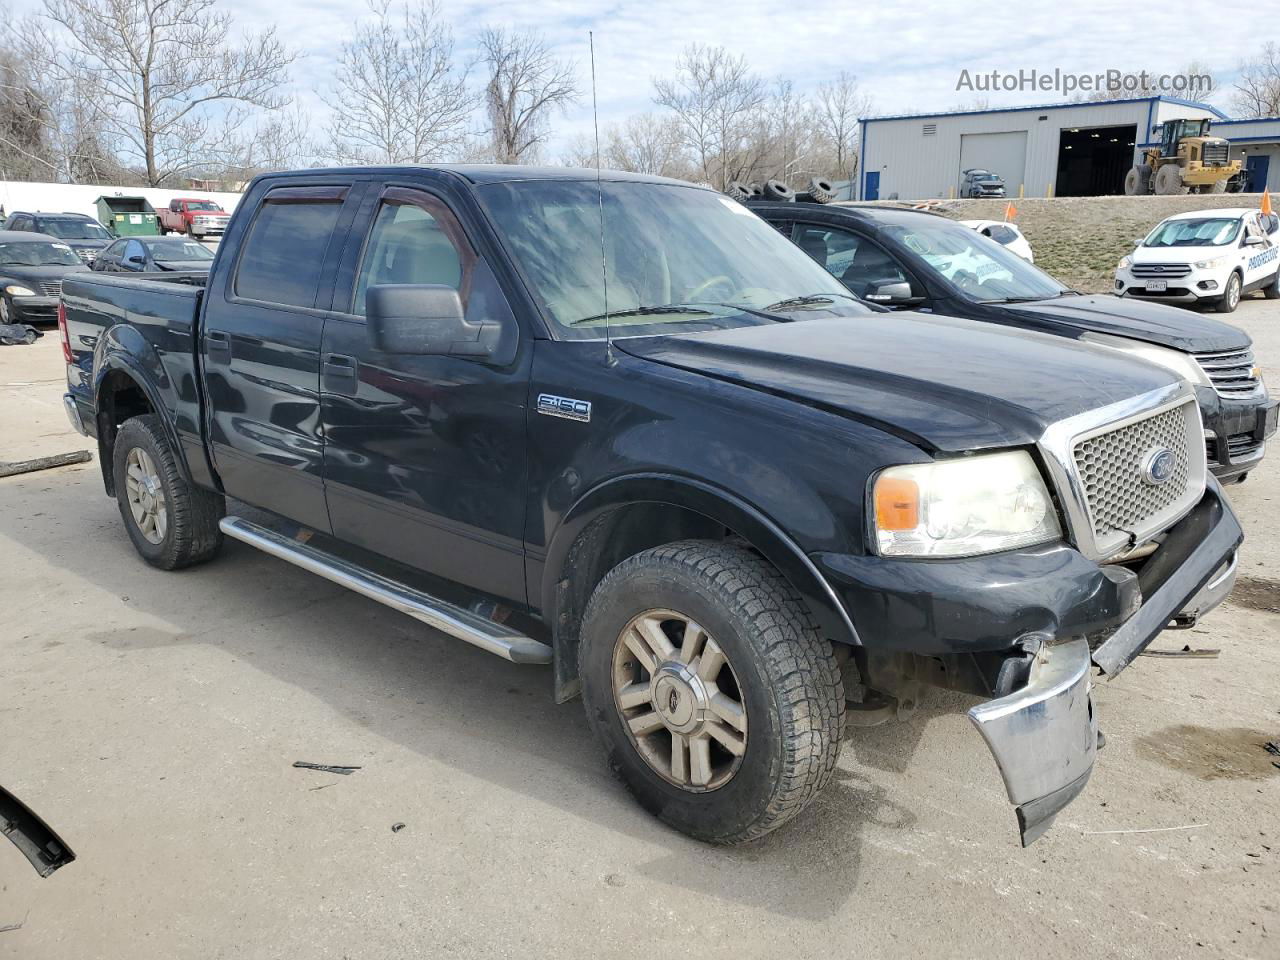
x,y
152,719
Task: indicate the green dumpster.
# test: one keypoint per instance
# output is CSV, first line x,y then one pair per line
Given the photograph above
x,y
128,216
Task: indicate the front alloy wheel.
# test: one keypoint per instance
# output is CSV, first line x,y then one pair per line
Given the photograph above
x,y
680,699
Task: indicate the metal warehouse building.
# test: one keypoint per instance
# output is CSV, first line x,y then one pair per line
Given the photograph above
x,y
1065,149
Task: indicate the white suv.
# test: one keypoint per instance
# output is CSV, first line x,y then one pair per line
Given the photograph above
x,y
1206,256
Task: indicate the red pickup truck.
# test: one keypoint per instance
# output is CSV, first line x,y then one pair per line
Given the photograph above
x,y
194,217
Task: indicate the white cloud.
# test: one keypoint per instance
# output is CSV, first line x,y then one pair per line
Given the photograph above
x,y
907,57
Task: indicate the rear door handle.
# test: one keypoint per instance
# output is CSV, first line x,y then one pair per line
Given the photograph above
x,y
340,373
218,345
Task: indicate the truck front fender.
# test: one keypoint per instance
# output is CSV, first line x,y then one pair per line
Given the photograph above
x,y
568,579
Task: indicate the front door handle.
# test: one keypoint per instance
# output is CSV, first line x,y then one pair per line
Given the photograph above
x,y
340,373
218,345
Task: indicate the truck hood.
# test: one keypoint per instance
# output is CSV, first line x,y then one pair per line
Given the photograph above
x,y
942,383
1156,323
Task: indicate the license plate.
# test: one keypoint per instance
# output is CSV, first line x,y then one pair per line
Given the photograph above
x,y
1157,286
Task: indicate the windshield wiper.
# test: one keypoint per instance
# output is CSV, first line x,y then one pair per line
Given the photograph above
x,y
646,312
804,301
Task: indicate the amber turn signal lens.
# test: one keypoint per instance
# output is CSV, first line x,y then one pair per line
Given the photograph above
x,y
897,503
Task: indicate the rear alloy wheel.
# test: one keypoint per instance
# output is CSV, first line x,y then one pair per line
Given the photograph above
x,y
717,701
1230,298
145,495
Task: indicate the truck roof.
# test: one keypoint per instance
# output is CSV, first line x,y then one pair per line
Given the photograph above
x,y
498,173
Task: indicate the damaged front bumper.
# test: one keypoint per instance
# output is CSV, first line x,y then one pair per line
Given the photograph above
x,y
1044,735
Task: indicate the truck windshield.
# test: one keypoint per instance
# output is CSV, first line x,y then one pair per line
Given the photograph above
x,y
982,269
675,255
74,230
174,250
203,205
1194,232
37,254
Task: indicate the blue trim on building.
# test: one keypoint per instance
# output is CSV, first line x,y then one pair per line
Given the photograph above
x,y
1275,139
1252,120
1152,101
862,158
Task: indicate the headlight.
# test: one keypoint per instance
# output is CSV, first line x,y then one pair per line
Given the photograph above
x,y
16,290
960,508
1124,263
1183,364
1213,264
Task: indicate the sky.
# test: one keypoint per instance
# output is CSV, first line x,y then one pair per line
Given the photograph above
x,y
908,57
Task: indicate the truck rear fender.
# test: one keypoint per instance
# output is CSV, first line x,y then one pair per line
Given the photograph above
x,y
626,515
130,380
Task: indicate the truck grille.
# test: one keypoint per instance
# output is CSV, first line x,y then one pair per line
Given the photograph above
x,y
51,288
87,254
1215,154
1160,271
1233,374
1124,503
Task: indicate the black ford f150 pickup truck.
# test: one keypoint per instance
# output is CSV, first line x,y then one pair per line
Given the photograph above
x,y
920,261
626,428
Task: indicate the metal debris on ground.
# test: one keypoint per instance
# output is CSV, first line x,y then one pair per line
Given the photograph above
x,y
44,463
18,334
325,767
32,836
397,827
1272,746
11,926
1203,653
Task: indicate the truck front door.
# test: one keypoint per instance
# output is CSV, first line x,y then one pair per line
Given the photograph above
x,y
425,455
261,349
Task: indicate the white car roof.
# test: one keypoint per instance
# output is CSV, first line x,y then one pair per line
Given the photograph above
x,y
1228,212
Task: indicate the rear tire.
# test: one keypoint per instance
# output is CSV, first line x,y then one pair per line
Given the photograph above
x,y
1137,182
172,524
1230,298
1272,290
1168,181
766,656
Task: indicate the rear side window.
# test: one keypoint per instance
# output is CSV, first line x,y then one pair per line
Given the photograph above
x,y
282,256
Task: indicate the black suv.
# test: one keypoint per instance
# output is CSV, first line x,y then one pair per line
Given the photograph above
x,y
85,235
910,259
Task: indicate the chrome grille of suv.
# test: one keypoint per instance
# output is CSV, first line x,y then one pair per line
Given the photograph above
x,y
51,288
1233,374
1160,271
1125,505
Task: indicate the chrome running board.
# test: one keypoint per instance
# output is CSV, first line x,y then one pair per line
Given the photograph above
x,y
443,616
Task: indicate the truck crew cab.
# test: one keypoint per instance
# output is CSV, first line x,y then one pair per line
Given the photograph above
x,y
626,428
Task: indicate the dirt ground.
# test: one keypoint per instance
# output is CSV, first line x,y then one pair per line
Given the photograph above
x,y
1080,239
152,719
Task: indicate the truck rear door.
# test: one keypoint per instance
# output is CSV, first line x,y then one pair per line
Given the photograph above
x,y
260,346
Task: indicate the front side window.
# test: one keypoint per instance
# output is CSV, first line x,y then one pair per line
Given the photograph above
x,y
982,269
860,264
1194,232
281,259
134,253
414,240
671,258
115,250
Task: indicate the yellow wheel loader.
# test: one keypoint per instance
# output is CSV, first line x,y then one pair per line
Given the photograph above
x,y
1187,160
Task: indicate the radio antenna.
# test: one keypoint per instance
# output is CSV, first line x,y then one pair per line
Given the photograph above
x,y
604,258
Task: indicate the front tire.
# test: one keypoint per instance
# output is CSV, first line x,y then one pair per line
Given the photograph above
x,y
172,524
705,679
1230,298
1272,290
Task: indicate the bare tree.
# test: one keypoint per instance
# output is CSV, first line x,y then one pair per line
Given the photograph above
x,y
281,141
167,80
399,95
525,86
646,143
714,96
841,104
1257,92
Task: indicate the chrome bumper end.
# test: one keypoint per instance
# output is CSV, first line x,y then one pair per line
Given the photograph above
x,y
1044,736
73,414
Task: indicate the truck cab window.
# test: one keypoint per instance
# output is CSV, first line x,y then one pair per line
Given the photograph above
x,y
409,244
857,262
281,259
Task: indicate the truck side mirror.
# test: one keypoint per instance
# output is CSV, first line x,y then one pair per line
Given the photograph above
x,y
426,319
890,291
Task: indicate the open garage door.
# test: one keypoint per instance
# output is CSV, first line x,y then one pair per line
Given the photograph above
x,y
1004,154
1092,161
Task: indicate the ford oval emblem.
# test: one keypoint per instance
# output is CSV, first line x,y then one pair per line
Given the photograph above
x,y
1158,466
